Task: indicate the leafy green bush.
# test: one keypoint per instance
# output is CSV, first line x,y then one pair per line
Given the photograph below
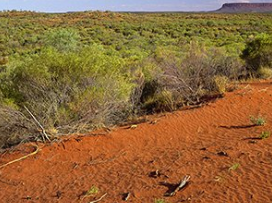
x,y
62,39
258,53
258,121
68,91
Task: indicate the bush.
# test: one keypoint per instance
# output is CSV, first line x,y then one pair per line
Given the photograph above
x,y
258,121
220,83
264,73
67,91
265,135
15,127
186,78
258,53
195,76
161,101
62,39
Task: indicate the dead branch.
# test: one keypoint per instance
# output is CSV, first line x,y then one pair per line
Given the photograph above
x,y
99,198
181,185
126,196
37,149
39,124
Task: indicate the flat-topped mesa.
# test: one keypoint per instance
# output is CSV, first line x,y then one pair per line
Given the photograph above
x,y
245,7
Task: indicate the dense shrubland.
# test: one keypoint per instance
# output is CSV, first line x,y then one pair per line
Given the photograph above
x,y
76,72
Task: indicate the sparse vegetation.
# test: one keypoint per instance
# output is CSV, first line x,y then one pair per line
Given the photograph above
x,y
92,191
234,167
160,201
258,121
265,134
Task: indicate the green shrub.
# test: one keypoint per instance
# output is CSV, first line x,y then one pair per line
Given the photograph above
x,y
264,73
265,134
69,91
258,53
259,121
62,39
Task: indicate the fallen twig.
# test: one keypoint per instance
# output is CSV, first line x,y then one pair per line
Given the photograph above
x,y
181,185
99,198
263,90
21,158
39,124
126,196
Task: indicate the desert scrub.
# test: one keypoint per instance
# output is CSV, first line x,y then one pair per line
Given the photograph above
x,y
258,121
187,78
62,39
264,73
199,72
160,102
92,191
67,91
265,135
258,53
234,167
221,83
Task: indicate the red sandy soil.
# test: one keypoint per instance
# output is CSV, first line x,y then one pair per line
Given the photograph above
x,y
205,143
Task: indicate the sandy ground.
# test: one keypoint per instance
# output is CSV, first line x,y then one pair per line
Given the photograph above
x,y
216,145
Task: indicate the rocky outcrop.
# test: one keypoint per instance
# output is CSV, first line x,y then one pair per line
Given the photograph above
x,y
245,8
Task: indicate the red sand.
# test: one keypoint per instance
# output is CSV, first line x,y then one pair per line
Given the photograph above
x,y
203,143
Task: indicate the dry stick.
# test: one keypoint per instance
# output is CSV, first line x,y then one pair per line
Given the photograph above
x,y
263,90
182,184
21,158
39,124
99,198
127,196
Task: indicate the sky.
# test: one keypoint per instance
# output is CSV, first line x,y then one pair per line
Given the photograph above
x,y
118,5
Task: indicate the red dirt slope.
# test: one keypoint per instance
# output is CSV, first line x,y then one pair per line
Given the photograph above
x,y
216,145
